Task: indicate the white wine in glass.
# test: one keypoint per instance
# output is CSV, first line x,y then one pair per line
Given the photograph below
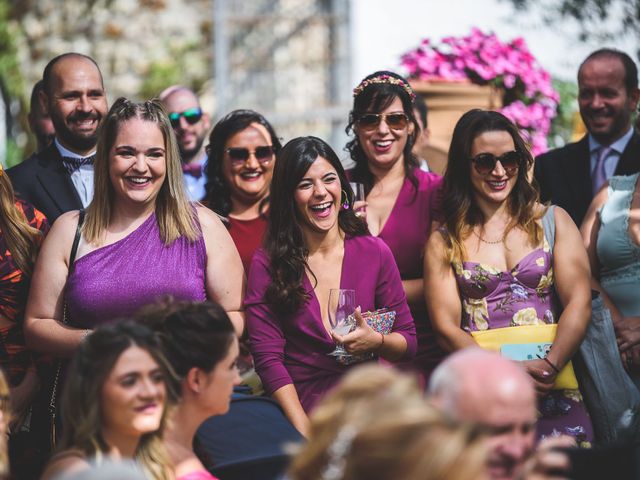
x,y
342,304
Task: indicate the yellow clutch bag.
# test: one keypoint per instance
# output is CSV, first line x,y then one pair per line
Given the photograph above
x,y
494,339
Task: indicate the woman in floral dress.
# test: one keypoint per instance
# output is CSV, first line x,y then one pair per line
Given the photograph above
x,y
492,267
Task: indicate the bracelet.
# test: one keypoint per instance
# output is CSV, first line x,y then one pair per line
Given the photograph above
x,y
555,369
381,344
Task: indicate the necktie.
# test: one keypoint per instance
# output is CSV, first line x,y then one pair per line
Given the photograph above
x,y
193,169
71,164
599,174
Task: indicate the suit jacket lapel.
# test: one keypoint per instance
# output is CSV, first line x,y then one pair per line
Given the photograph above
x,y
629,162
577,170
56,182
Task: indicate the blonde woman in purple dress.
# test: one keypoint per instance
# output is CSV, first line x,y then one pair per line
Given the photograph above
x,y
490,266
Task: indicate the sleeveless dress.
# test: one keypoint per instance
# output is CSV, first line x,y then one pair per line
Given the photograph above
x,y
523,296
618,254
114,281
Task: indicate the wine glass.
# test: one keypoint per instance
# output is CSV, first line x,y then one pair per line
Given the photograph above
x,y
342,304
359,198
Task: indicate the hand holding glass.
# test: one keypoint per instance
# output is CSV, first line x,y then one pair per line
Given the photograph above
x,y
342,304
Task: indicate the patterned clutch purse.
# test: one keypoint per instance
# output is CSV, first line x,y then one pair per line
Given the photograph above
x,y
382,322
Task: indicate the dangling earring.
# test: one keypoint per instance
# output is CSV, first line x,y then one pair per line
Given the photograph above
x,y
345,201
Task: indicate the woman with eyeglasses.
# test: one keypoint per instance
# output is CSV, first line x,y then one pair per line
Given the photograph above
x,y
242,148
140,241
490,265
402,201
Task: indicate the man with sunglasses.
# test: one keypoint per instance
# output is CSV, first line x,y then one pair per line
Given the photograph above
x,y
607,97
60,177
191,126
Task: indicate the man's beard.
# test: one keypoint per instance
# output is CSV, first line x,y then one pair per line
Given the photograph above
x,y
188,155
79,142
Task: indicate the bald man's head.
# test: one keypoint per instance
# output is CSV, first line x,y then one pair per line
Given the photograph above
x,y
190,123
478,386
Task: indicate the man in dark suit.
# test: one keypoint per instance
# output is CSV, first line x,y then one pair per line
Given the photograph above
x,y
60,177
607,96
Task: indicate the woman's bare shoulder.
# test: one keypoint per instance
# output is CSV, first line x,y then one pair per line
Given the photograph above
x,y
68,461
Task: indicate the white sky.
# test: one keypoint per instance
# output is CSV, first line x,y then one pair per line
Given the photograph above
x,y
384,29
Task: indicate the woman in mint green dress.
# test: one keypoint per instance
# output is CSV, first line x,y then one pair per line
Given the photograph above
x,y
611,232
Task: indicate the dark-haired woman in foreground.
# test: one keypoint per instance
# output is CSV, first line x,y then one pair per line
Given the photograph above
x,y
402,200
200,344
314,244
491,265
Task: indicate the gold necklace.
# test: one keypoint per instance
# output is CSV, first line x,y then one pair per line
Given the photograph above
x,y
495,242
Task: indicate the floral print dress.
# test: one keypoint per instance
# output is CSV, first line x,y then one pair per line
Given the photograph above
x,y
522,296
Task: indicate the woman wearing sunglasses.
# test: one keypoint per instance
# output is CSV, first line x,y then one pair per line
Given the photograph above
x,y
242,148
401,200
141,239
490,265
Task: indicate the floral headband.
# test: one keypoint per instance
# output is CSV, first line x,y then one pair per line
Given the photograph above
x,y
384,78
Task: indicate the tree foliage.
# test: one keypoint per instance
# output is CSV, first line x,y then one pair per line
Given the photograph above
x,y
603,19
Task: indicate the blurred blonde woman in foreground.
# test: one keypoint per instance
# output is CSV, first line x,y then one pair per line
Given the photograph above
x,y
376,426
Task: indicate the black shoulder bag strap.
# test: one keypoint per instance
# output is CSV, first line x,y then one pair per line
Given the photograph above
x,y
65,320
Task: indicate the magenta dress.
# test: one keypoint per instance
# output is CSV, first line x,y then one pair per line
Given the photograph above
x,y
114,281
406,232
523,296
293,349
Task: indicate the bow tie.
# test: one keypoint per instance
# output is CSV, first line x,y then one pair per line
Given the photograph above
x,y
71,164
193,169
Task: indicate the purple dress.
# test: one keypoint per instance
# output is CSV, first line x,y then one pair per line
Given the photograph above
x,y
406,232
522,296
293,349
114,281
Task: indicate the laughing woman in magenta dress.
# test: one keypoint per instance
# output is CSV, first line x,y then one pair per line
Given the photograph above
x,y
490,266
402,200
314,244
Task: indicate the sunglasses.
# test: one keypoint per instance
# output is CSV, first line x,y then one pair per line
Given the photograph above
x,y
370,121
192,116
485,163
238,156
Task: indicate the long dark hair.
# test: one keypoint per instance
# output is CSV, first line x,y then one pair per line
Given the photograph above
x,y
218,196
461,213
284,241
191,334
374,98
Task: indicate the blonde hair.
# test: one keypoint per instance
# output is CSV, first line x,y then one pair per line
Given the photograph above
x,y
22,239
174,213
364,392
376,425
415,444
6,418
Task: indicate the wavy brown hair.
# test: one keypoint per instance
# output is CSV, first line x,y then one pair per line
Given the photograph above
x,y
22,239
174,214
460,211
284,241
